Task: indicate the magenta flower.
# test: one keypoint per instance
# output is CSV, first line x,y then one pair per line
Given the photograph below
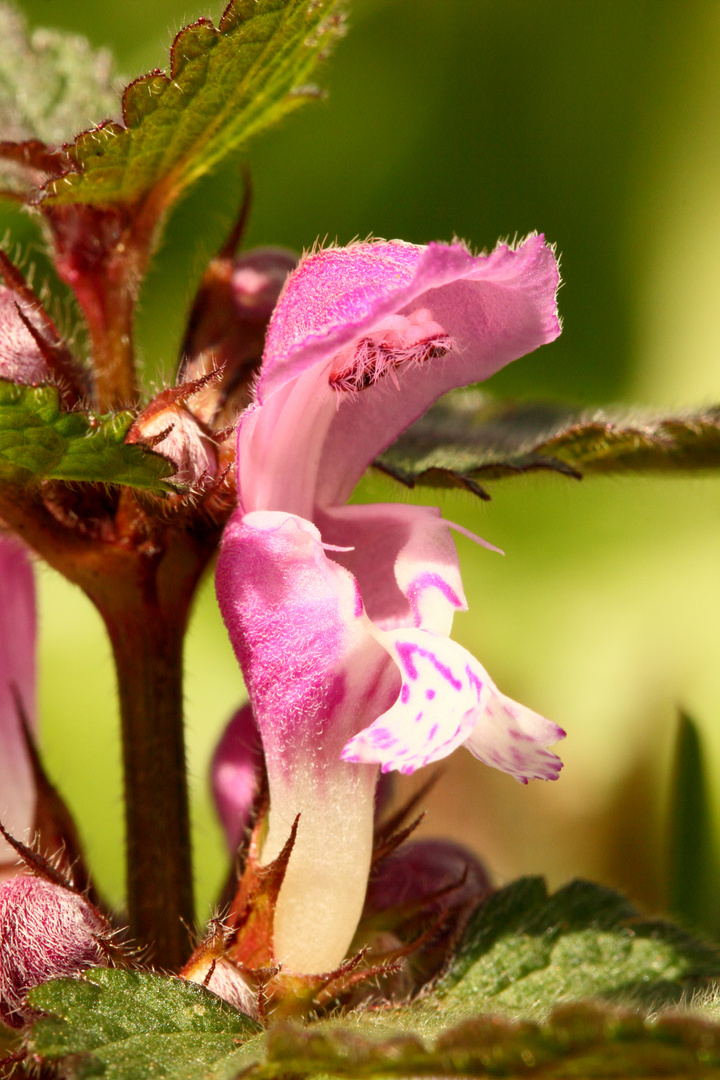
x,y
17,683
340,615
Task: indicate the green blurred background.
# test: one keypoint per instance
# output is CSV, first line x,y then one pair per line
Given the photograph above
x,y
595,122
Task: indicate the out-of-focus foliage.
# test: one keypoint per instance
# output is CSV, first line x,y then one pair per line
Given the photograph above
x,y
597,124
51,84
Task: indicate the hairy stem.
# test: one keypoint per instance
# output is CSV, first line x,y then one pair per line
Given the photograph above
x,y
148,657
143,592
111,331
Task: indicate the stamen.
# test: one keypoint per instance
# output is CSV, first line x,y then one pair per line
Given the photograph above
x,y
473,536
399,342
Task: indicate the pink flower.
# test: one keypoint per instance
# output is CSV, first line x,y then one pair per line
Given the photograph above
x,y
17,683
340,615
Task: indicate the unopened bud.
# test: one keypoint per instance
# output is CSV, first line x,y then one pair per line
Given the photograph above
x,y
226,980
169,427
435,875
46,932
227,328
21,359
236,773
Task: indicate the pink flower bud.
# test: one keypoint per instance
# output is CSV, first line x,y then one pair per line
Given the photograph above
x,y
167,426
46,932
236,773
227,329
437,875
21,359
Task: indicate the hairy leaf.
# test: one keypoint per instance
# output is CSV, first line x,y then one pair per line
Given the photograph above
x,y
128,1025
524,955
525,951
51,85
466,439
223,85
40,440
583,1040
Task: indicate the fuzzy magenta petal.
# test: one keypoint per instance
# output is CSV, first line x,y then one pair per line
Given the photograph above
x,y
297,625
494,308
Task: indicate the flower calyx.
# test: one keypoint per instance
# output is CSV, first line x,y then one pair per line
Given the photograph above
x,y
227,326
168,426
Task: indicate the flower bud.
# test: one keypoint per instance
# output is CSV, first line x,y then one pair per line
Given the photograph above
x,y
21,359
227,328
236,773
168,426
18,784
46,932
435,875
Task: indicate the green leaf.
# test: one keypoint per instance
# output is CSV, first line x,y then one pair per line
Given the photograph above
x,y
466,439
692,870
512,1002
39,439
525,951
128,1025
223,86
584,1040
51,84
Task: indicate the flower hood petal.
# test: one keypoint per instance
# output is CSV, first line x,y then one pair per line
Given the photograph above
x,y
491,310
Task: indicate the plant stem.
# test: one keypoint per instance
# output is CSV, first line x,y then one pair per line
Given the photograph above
x,y
143,593
102,254
113,351
146,617
148,658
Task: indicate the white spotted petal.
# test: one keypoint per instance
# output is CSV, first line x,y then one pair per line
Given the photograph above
x,y
447,699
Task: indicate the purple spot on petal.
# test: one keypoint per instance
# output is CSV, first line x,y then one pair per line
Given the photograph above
x,y
520,736
474,680
406,649
429,694
433,732
418,718
430,581
405,694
